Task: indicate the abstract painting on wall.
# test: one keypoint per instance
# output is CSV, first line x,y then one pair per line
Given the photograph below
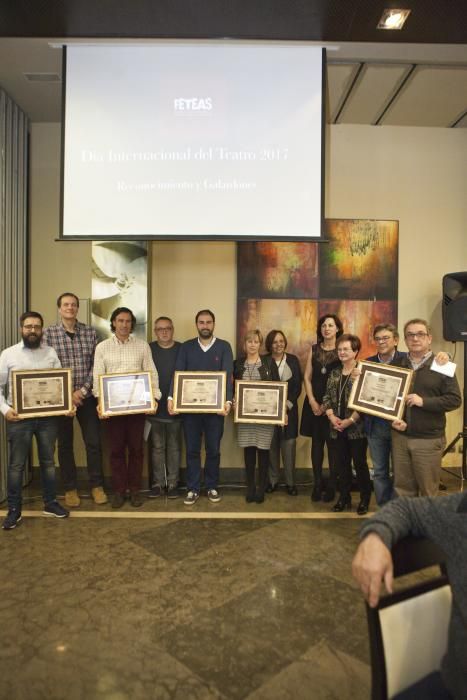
x,y
119,278
289,285
360,260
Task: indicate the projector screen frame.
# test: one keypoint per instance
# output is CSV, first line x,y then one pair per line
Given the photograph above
x,y
197,237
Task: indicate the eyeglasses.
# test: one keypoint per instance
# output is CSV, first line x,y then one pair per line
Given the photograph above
x,y
31,327
412,336
163,330
382,339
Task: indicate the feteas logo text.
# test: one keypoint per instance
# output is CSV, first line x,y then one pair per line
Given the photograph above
x,y
193,104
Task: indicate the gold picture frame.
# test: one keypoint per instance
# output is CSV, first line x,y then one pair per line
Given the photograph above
x,y
380,390
121,394
260,402
38,393
199,392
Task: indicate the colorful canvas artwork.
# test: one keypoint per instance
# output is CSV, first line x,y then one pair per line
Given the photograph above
x,y
275,270
289,285
360,261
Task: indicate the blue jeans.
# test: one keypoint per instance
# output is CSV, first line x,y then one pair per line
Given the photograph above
x,y
20,436
194,426
379,442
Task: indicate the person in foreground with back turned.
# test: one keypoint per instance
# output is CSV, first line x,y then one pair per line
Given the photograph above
x,y
255,438
444,521
346,428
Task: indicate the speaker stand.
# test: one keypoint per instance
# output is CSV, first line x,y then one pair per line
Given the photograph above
x,y
462,435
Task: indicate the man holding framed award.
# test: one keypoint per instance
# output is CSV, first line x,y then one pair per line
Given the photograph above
x,y
123,354
206,354
418,440
29,354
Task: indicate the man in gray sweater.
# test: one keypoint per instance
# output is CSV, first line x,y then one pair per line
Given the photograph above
x,y
444,521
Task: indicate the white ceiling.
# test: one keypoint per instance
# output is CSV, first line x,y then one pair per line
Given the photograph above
x,y
385,84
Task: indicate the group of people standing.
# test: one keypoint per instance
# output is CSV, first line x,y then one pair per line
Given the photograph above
x,y
416,443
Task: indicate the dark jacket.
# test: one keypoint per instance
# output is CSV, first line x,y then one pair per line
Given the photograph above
x,y
440,394
294,389
267,369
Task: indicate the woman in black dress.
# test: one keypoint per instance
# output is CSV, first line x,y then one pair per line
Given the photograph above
x,y
322,359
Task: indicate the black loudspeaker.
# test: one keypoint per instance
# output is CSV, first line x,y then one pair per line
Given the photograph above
x,y
455,306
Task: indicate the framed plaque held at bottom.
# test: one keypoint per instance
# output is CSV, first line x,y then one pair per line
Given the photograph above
x,y
260,402
42,392
380,390
122,394
199,392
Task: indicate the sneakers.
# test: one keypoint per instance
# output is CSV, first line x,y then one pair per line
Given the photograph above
x,y
99,496
135,499
13,518
155,492
72,500
214,496
56,510
118,499
191,498
172,492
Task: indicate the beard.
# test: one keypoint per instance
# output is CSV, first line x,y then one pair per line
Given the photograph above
x,y
32,341
206,333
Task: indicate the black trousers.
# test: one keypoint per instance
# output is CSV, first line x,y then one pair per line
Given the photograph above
x,y
253,488
91,431
346,452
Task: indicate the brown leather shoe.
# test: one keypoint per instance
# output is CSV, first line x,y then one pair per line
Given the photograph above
x,y
72,500
99,495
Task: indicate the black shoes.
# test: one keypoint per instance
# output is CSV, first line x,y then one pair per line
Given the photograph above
x,y
118,499
362,508
342,504
316,494
271,487
292,490
329,495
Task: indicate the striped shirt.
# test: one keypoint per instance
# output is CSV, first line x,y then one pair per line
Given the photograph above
x,y
76,353
20,357
114,357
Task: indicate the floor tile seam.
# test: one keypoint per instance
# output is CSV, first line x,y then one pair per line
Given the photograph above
x,y
174,515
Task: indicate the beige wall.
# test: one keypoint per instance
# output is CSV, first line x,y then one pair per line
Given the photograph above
x,y
415,175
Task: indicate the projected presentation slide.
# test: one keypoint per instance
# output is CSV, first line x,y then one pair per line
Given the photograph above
x,y
193,140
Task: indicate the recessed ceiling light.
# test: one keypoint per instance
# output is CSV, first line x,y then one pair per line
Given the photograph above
x,y
393,19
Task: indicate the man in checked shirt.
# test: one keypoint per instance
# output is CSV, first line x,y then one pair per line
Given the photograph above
x,y
75,343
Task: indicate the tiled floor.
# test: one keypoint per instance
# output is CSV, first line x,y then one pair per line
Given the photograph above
x,y
196,607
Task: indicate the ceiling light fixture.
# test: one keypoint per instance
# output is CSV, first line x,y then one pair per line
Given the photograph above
x,y
393,19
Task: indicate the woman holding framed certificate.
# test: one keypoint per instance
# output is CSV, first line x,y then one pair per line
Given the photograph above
x,y
255,438
346,428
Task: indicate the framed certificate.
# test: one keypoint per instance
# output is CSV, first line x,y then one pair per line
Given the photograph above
x,y
42,392
199,392
120,394
380,390
260,402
